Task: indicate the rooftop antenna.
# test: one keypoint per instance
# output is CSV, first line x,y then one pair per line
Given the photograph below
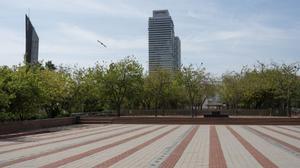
x,y
29,12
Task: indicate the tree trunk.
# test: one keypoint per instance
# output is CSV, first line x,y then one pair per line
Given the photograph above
x,y
288,106
119,110
156,107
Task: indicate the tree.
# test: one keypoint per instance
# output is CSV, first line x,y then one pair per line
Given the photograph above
x,y
230,90
157,86
24,86
262,87
5,96
55,88
195,81
121,82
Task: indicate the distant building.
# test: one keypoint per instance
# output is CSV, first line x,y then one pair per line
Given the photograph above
x,y
164,47
32,43
177,51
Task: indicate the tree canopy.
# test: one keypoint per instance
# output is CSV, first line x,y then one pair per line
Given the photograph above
x,y
43,91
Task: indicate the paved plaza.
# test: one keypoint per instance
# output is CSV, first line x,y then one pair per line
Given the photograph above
x,y
137,146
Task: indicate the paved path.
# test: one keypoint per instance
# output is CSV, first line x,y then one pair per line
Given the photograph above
x,y
164,146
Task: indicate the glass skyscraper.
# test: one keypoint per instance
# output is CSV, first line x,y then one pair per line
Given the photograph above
x,y
164,47
32,43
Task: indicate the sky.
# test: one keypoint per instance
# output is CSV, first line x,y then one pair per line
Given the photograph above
x,y
224,35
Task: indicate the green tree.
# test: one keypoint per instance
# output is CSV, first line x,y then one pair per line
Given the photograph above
x,y
195,82
157,86
121,81
5,95
230,90
24,86
55,88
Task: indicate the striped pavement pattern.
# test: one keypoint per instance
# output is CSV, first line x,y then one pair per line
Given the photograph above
x,y
163,146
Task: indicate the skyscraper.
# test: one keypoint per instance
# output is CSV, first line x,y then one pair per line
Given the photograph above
x,y
164,48
177,51
32,43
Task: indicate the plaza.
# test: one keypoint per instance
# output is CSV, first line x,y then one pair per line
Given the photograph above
x,y
155,145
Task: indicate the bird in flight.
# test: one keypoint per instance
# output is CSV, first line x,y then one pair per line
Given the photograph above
x,y
101,43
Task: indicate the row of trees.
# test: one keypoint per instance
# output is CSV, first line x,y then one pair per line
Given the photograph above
x,y
42,91
275,87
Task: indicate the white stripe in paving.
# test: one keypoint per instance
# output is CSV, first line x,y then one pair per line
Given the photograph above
x,y
235,154
97,158
50,147
70,152
284,138
56,131
278,156
68,130
196,154
291,127
154,153
55,139
285,131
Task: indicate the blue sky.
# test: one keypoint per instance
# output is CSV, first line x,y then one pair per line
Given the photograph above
x,y
222,34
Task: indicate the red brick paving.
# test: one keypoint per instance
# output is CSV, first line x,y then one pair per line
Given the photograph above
x,y
131,151
296,131
19,134
216,156
96,150
265,162
62,140
265,153
23,159
54,137
289,146
282,133
176,154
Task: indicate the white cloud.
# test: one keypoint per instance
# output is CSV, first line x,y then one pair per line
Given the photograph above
x,y
111,8
73,36
12,47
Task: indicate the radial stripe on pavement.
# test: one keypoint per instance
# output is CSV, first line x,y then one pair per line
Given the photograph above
x,y
289,129
129,152
197,152
153,155
60,135
279,141
176,154
96,150
282,133
263,160
277,154
64,148
216,156
37,144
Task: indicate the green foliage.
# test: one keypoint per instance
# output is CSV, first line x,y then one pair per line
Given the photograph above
x,y
265,86
43,91
5,95
198,86
122,81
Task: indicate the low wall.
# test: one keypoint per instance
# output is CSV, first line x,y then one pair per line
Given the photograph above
x,y
19,126
185,120
188,112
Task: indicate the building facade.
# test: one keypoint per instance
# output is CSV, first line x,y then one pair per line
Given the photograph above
x,y
164,47
32,43
177,51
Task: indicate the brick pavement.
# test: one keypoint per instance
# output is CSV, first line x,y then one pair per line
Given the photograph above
x,y
180,146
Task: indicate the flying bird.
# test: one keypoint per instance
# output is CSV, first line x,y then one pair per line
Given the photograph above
x,y
101,43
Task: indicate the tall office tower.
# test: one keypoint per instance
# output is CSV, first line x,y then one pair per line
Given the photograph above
x,y
162,42
32,43
177,51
